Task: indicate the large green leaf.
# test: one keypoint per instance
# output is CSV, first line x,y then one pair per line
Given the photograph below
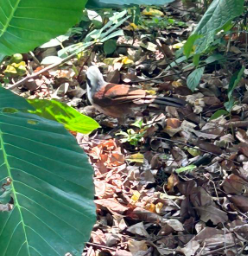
x,y
194,78
25,24
114,3
50,184
216,17
64,114
11,100
235,79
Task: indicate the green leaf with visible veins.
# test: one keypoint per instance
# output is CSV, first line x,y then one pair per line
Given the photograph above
x,y
25,24
11,100
218,15
50,185
194,78
64,114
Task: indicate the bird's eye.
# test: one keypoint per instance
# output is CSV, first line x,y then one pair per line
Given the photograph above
x,y
88,82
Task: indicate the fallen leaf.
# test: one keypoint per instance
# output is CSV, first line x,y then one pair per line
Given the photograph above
x,y
241,202
152,12
112,205
138,229
175,224
233,184
137,246
172,182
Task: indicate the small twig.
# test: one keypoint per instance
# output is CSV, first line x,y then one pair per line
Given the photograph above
x,y
25,79
219,250
128,46
101,246
203,247
236,124
163,76
159,76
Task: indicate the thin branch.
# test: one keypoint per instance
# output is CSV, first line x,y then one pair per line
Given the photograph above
x,y
25,79
219,250
101,246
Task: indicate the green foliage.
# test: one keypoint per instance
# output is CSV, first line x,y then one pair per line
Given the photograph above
x,y
219,58
64,114
15,69
194,78
16,58
159,22
188,46
131,136
109,46
2,56
47,177
218,113
218,15
235,79
10,100
107,32
26,24
188,168
113,3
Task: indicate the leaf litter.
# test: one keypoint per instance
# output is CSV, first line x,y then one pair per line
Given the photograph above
x,y
173,182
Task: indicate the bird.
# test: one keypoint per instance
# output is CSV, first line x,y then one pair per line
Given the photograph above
x,y
121,100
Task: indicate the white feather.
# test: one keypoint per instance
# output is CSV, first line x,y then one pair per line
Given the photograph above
x,y
95,78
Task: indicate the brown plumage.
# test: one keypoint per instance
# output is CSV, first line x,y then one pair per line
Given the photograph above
x,y
120,100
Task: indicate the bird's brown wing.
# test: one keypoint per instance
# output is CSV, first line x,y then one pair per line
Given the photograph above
x,y
121,94
112,94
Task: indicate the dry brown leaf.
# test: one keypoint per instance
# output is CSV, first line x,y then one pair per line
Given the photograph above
x,y
172,182
175,224
233,184
107,155
145,215
173,126
206,146
205,206
137,246
112,205
211,212
243,148
138,229
241,202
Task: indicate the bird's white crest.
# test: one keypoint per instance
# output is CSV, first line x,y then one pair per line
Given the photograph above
x,y
95,81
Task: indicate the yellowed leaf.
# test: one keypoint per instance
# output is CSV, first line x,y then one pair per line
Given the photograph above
x,y
136,158
178,45
125,60
152,12
135,197
158,207
150,207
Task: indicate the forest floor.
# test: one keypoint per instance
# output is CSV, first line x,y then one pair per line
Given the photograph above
x,y
172,182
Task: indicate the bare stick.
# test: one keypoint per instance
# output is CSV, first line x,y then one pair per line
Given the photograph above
x,y
25,79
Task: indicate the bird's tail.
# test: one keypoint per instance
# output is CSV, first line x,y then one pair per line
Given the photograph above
x,y
168,101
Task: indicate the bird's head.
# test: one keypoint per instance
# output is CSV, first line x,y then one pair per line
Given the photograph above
x,y
94,78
